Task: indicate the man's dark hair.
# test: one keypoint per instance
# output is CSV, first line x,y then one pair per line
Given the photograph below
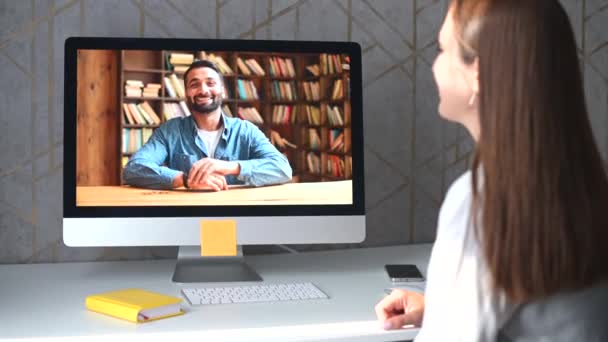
x,y
203,63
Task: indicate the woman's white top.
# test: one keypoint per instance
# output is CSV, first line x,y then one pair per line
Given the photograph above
x,y
459,302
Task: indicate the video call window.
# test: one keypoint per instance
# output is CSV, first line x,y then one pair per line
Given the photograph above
x,y
286,121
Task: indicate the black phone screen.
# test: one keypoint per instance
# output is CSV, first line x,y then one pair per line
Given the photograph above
x,y
403,271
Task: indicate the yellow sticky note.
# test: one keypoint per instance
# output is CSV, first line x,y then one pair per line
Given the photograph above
x,y
218,238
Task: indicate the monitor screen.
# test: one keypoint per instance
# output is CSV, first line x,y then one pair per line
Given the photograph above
x,y
162,136
182,127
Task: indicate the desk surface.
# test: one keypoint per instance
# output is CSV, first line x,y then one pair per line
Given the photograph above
x,y
47,300
336,192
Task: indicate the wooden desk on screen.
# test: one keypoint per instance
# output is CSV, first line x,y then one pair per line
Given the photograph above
x,y
338,192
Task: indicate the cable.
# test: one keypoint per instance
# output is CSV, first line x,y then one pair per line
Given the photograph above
x,y
288,249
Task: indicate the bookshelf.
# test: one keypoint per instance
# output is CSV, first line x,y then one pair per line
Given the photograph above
x,y
300,101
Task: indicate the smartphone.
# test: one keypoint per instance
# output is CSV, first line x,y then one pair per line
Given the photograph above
x,y
403,273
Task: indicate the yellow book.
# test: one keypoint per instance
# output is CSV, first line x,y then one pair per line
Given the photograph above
x,y
135,305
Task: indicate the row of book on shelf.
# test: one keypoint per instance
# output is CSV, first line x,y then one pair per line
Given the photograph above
x,y
314,140
287,90
282,115
174,87
336,140
286,114
329,64
281,67
284,91
140,114
337,92
333,64
281,90
136,88
313,114
225,69
249,67
143,113
312,90
179,62
250,114
134,138
335,167
247,90
334,115
278,67
175,110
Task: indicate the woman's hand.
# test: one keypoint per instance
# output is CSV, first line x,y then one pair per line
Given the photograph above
x,y
400,308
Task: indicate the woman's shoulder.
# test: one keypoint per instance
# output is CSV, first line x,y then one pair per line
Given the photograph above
x,y
461,187
456,208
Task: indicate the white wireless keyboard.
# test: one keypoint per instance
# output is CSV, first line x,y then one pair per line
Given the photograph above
x,y
253,293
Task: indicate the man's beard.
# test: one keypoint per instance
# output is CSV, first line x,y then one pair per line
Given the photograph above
x,y
216,101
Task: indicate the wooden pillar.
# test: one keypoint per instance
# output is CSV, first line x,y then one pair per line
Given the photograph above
x,y
98,128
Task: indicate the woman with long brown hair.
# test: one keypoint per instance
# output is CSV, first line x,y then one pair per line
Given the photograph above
x,y
530,219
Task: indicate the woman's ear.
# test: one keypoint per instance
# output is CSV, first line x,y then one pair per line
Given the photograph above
x,y
472,79
475,76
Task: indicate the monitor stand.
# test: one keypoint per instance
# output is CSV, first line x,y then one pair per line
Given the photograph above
x,y
191,267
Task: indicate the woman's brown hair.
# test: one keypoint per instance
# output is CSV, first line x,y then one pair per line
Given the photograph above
x,y
538,178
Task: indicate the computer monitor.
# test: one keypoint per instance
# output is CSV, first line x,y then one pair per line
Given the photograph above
x,y
146,163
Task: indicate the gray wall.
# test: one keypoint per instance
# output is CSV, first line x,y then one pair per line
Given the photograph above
x,y
411,155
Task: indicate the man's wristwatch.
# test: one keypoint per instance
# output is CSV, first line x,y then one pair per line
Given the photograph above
x,y
185,180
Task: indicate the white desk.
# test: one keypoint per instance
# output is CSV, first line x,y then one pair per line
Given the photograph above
x,y
46,301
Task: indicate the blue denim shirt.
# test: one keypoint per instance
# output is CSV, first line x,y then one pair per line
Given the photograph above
x,y
175,146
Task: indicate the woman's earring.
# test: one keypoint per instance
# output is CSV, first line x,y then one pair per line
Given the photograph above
x,y
472,99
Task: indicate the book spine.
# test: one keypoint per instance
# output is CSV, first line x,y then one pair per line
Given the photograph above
x,y
169,87
177,86
112,309
182,105
242,93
